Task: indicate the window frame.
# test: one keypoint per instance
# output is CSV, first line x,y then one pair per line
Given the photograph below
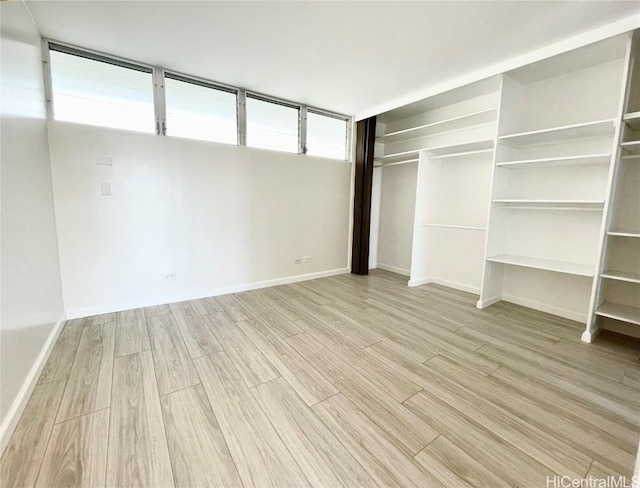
x,y
276,101
348,121
194,80
159,97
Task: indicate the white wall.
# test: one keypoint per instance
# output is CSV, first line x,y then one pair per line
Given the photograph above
x,y
397,208
31,299
374,229
219,216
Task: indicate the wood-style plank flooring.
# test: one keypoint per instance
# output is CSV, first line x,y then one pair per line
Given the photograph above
x,y
342,381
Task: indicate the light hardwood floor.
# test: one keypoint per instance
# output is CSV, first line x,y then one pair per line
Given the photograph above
x,y
343,381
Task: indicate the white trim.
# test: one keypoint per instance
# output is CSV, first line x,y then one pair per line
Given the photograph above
x,y
589,336
610,30
117,307
449,284
394,269
419,281
545,307
488,301
20,402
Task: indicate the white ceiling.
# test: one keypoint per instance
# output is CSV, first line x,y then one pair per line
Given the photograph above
x,y
349,57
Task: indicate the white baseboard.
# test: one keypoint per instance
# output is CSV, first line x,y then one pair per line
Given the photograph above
x,y
589,336
544,307
102,309
20,402
394,269
487,302
419,281
449,284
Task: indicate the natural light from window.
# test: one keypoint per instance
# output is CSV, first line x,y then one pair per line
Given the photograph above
x,y
200,112
326,136
272,126
97,93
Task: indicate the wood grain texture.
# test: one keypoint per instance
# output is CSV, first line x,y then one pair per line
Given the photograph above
x,y
233,307
614,397
131,333
173,364
549,450
157,310
408,431
260,455
138,453
199,454
386,378
197,335
304,378
89,385
378,454
511,465
77,453
207,305
262,308
253,367
571,406
572,431
321,457
61,359
454,467
321,386
23,455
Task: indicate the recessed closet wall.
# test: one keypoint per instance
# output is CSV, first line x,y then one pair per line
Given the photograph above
x,y
518,183
397,203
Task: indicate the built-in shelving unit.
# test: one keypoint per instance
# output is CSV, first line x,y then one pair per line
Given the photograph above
x,y
631,147
552,164
544,264
454,136
624,233
460,149
621,276
527,186
583,159
562,133
615,300
551,204
632,120
623,313
486,116
463,227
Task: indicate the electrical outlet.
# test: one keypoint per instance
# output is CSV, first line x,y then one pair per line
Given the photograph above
x,y
169,276
307,259
297,261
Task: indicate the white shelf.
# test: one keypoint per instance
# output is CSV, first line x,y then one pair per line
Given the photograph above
x,y
624,233
464,148
395,163
450,150
464,154
557,134
632,147
462,227
447,125
585,159
621,276
624,313
633,120
551,204
544,264
398,157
